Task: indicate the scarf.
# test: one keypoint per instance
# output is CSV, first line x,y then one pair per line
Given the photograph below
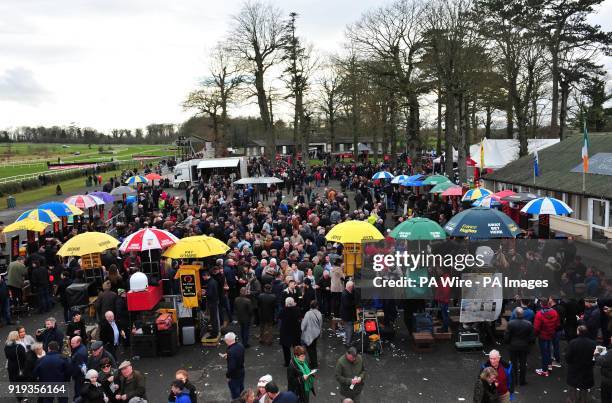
x,y
303,367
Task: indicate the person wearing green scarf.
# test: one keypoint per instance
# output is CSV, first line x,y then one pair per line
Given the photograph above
x,y
300,379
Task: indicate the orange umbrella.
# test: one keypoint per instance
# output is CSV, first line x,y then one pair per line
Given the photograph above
x,y
153,177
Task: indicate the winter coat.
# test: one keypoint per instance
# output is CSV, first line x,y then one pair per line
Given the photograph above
x,y
545,323
346,371
243,309
92,393
311,326
49,335
235,361
579,357
53,367
266,305
507,366
133,387
15,354
348,312
336,279
107,301
592,320
485,392
295,381
519,335
290,326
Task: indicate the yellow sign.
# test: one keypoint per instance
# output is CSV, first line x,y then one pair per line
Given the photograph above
x,y
189,276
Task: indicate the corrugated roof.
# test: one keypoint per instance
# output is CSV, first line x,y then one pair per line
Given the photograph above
x,y
556,163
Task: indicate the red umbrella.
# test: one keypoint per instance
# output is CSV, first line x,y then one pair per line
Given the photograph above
x,y
504,193
470,162
153,177
453,191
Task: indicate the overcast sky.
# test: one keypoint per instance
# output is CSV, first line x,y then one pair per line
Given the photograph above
x,y
126,63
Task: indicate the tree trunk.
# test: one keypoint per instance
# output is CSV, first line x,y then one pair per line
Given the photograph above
x,y
449,135
393,129
414,143
509,118
554,70
265,112
563,112
488,121
439,128
463,131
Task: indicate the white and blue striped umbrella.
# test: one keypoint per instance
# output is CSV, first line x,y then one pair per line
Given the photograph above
x,y
400,178
547,205
382,175
487,201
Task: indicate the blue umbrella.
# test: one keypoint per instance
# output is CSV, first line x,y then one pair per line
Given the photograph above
x,y
136,179
382,175
400,178
412,183
486,201
58,208
547,205
482,223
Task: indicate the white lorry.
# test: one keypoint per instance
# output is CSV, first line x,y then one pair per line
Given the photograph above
x,y
191,171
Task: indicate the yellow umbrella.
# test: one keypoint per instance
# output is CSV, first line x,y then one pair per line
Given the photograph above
x,y
74,209
353,231
27,224
196,247
87,243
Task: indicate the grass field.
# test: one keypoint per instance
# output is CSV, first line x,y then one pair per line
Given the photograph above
x,y
12,155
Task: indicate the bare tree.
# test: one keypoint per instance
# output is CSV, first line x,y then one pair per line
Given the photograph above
x,y
257,36
330,100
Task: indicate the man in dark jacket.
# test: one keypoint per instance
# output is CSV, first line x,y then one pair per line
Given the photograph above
x,y
51,333
131,383
97,354
505,381
40,283
592,317
243,314
78,361
111,333
348,312
212,303
106,301
53,367
605,362
350,374
276,396
579,357
266,304
235,365
519,335
546,323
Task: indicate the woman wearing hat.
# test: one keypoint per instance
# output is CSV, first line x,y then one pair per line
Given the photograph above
x,y
261,396
76,327
91,391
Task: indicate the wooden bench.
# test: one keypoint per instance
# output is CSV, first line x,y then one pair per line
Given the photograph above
x,y
440,336
423,342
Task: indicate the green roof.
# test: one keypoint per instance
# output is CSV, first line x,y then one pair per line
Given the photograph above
x,y
556,163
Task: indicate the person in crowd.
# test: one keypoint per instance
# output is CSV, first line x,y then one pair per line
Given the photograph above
x,y
40,284
336,288
311,325
92,391
60,293
266,304
183,376
213,298
179,392
261,395
78,361
545,325
247,396
34,354
53,367
519,335
348,313
106,376
106,301
24,338
5,302
243,312
591,317
604,361
97,354
131,383
235,365
110,333
276,396
76,327
16,358
50,333
324,288
300,378
485,390
559,307
528,313
504,384
350,374
289,328
17,273
579,359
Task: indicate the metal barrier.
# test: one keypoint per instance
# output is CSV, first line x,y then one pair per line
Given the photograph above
x,y
111,225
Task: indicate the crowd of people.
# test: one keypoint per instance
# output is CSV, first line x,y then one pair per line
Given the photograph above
x,y
280,273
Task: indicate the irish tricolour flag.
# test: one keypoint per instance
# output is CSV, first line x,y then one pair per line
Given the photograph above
x,y
585,150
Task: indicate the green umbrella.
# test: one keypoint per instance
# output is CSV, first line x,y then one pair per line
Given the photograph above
x,y
435,180
441,187
418,229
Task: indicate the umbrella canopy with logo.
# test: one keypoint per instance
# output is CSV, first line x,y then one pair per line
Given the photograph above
x,y
418,229
135,180
106,197
45,216
353,231
475,194
88,243
61,209
382,175
482,223
26,224
84,201
547,205
196,247
435,180
147,239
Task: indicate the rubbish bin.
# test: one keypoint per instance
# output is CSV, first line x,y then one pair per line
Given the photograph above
x,y
11,202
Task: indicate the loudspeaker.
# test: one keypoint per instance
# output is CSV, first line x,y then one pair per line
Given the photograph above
x,y
78,294
167,341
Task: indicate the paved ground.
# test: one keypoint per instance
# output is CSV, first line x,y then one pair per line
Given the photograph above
x,y
399,375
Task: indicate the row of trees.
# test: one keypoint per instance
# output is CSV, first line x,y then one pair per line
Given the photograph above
x,y
532,63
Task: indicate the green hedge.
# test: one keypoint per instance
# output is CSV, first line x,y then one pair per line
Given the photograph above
x,y
29,184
